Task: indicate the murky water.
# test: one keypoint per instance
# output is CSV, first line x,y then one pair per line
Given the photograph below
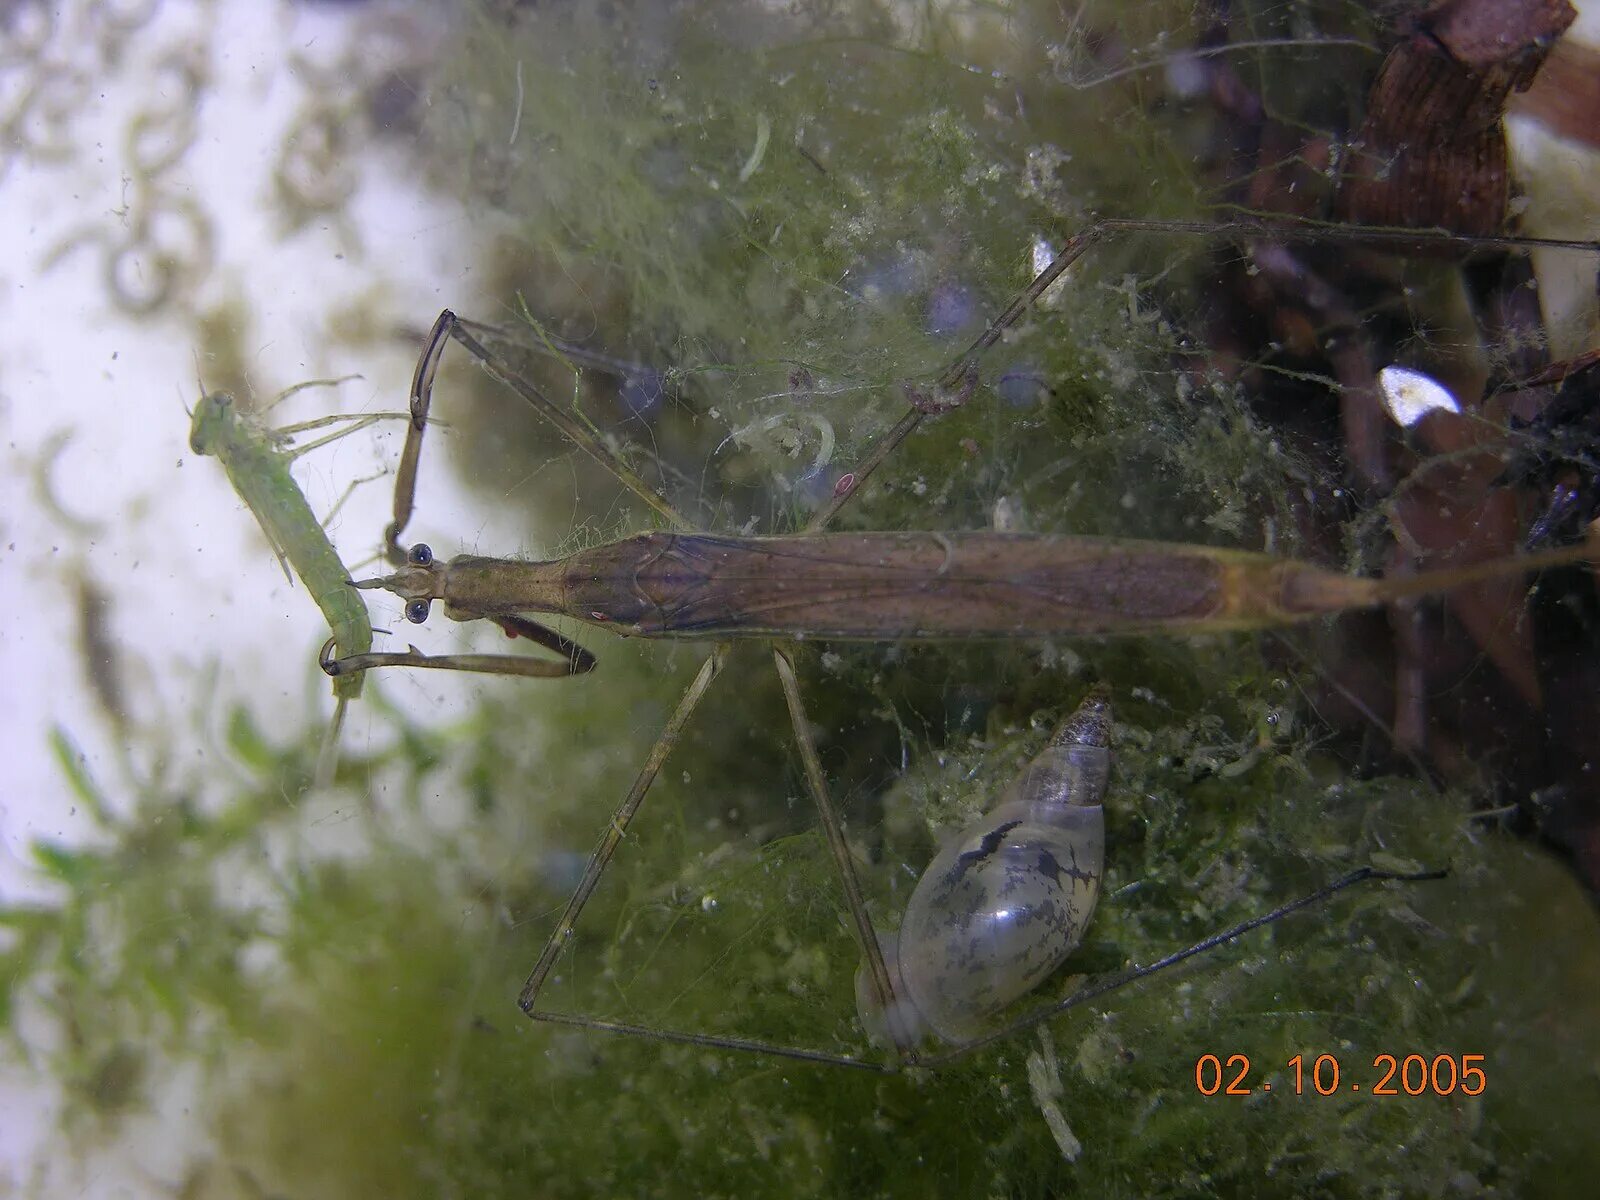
x,y
754,223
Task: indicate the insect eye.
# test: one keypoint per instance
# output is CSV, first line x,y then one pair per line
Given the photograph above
x,y
417,611
420,555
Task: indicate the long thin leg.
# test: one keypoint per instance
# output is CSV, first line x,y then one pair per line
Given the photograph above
x,y
618,829
447,326
956,381
1122,979
575,430
405,478
1093,991
358,422
344,496
547,343
302,386
955,377
877,970
715,1041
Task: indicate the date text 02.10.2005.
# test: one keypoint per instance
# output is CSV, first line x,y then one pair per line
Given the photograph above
x,y
1411,1075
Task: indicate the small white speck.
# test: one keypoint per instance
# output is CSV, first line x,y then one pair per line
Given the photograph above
x,y
1186,76
1043,254
1410,395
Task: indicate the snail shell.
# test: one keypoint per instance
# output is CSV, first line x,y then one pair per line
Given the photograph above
x,y
1006,900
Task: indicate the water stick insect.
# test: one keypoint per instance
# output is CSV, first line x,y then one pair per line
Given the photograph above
x,y
872,586
257,460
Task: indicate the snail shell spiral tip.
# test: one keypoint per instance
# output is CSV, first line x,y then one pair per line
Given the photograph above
x,y
1090,723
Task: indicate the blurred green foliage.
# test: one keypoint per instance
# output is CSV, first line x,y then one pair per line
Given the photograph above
x,y
785,213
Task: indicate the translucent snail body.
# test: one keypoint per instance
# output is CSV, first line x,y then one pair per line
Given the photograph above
x,y
1007,899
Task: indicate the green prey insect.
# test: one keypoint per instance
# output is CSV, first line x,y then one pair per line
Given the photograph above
x,y
257,460
874,586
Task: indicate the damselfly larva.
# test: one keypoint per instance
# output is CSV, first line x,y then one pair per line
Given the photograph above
x,y
257,460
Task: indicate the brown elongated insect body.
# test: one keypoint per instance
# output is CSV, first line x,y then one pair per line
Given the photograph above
x,y
956,974
1007,900
888,586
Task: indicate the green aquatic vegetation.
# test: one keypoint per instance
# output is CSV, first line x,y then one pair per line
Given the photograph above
x,y
375,1040
353,1008
139,957
353,1015
804,291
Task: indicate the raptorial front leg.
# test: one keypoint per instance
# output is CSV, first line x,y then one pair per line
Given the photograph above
x,y
574,660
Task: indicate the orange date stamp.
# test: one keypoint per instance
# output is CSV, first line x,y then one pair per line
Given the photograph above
x,y
1324,1075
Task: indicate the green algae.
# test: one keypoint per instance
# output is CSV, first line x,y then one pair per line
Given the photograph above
x,y
351,999
376,1046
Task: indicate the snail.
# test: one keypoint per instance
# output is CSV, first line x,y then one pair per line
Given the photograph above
x,y
1008,898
